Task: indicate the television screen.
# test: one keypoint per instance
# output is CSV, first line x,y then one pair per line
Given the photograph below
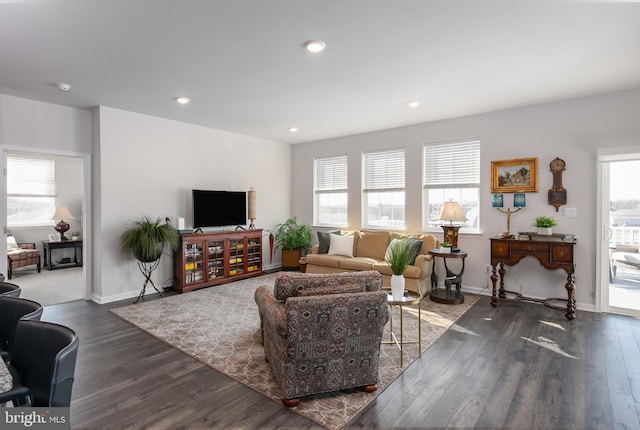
x,y
219,208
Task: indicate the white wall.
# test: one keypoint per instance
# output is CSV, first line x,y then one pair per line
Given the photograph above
x,y
571,130
149,165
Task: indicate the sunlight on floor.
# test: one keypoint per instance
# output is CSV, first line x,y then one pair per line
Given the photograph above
x,y
552,324
550,345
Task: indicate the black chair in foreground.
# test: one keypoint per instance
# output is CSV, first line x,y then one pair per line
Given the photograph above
x,y
43,365
12,310
8,289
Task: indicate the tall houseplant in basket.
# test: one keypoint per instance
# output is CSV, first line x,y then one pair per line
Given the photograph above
x,y
146,239
398,258
293,239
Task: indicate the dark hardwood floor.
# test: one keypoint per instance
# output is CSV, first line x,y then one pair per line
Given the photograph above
x,y
519,365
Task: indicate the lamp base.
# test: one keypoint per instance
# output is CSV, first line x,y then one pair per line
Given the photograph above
x,y
62,227
451,234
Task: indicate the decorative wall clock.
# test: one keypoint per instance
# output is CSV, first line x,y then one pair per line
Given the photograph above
x,y
557,195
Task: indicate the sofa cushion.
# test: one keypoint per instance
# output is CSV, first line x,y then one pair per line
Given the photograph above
x,y
324,240
324,260
11,243
372,244
341,245
358,263
413,272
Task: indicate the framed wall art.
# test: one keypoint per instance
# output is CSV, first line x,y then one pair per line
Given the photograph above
x,y
519,175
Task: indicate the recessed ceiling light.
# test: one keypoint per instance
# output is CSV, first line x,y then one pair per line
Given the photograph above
x,y
63,87
314,46
413,104
183,100
293,129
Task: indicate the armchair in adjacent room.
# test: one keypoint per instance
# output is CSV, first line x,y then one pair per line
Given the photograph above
x,y
21,255
322,332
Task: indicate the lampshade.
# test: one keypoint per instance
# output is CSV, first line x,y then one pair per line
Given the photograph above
x,y
62,213
252,206
451,211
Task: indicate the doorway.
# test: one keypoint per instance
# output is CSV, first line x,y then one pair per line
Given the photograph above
x,y
72,191
620,216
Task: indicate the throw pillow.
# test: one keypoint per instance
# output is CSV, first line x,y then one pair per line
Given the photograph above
x,y
11,243
341,245
416,245
324,239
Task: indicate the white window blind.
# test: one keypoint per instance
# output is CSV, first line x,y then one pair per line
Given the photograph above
x,y
30,177
383,170
331,174
330,203
452,164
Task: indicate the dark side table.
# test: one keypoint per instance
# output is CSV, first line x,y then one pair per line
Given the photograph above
x,y
444,295
49,245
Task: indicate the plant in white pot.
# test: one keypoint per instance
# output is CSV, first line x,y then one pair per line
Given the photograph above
x,y
545,224
398,257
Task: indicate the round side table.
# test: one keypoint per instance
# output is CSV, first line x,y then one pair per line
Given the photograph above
x,y
444,295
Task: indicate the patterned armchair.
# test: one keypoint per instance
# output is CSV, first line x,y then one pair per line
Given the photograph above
x,y
25,254
322,332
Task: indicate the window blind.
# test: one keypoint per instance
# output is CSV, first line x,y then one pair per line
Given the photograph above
x,y
383,170
452,164
331,174
30,177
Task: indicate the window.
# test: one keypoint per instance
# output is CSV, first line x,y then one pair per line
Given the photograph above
x,y
330,191
452,172
383,189
31,191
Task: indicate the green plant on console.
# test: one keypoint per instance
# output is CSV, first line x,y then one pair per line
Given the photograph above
x,y
146,238
545,222
291,235
445,245
400,255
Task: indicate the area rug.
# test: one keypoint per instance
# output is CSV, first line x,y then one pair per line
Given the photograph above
x,y
220,327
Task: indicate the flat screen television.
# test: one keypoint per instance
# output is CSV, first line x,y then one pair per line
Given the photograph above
x,y
219,208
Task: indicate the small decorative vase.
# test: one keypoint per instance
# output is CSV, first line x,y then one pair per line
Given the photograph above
x,y
544,231
397,286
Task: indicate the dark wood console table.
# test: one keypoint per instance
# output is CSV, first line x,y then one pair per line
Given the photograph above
x,y
553,252
48,245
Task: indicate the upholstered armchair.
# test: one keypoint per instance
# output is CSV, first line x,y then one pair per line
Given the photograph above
x,y
24,254
322,332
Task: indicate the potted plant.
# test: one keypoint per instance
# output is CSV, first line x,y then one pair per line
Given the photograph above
x,y
292,238
146,239
445,248
399,256
544,225
75,235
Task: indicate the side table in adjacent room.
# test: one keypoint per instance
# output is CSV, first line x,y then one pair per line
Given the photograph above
x,y
445,295
50,245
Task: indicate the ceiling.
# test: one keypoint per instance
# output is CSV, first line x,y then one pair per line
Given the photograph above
x,y
243,65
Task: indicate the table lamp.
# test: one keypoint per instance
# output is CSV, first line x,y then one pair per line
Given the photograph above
x,y
451,211
252,207
62,226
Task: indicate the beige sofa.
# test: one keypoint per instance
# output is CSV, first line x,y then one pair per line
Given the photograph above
x,y
369,248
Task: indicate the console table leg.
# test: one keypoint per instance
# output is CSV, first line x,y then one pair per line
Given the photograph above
x,y
571,303
501,292
494,294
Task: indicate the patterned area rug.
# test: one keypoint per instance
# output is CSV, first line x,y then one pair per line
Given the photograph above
x,y
220,327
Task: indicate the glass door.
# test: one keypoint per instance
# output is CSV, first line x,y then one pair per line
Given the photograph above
x,y
621,195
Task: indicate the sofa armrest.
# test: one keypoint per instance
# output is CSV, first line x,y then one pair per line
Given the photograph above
x,y
425,264
271,311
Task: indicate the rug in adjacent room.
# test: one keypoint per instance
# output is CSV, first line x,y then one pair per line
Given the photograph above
x,y
220,327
